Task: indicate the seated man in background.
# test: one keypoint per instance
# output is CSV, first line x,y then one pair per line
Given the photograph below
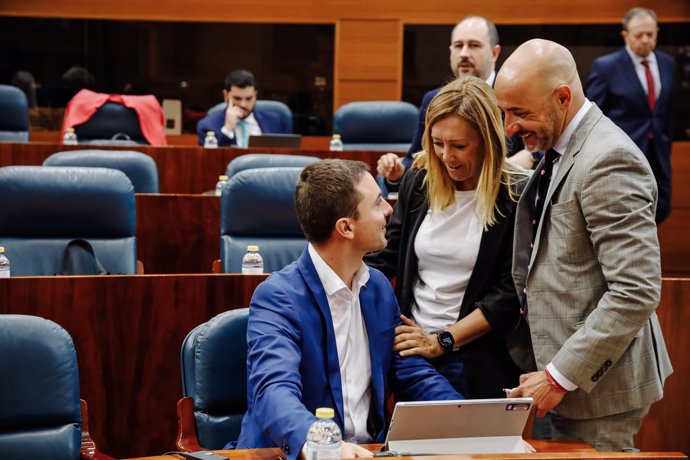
x,y
321,330
239,119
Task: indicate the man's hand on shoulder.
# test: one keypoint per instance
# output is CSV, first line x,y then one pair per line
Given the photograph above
x,y
390,166
523,158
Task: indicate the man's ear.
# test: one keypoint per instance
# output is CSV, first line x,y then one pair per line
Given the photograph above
x,y
564,95
226,93
344,228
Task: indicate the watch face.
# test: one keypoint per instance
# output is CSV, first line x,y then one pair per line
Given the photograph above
x,y
446,339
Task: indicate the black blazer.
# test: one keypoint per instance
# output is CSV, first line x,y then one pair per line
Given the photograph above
x,y
490,288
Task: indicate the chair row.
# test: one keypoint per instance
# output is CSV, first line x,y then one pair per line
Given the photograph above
x,y
48,208
131,120
44,417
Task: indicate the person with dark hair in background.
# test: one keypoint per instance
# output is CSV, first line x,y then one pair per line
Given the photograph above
x,y
474,49
450,242
239,119
27,83
321,330
633,87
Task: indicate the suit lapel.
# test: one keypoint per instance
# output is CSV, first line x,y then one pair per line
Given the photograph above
x,y
630,79
373,324
313,283
566,163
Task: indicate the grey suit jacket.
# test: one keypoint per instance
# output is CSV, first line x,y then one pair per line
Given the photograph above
x,y
595,280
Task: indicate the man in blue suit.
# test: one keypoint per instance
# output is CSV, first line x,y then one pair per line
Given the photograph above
x,y
321,330
238,119
620,84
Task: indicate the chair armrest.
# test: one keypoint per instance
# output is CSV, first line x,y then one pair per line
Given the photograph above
x,y
187,440
217,266
88,447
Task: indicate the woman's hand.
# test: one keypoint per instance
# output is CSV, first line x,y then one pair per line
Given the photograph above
x,y
411,340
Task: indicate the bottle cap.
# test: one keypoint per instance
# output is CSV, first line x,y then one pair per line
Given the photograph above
x,y
325,412
222,177
2,249
211,133
70,130
336,136
252,248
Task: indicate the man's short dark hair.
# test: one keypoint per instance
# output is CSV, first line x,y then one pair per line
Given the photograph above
x,y
637,11
240,78
326,191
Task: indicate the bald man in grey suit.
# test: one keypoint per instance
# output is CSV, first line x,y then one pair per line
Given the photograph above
x,y
588,265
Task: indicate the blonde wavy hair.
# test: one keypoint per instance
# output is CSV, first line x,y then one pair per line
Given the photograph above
x,y
472,99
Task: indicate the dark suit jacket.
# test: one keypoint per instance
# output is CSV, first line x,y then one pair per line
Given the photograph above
x,y
488,365
269,123
292,359
614,86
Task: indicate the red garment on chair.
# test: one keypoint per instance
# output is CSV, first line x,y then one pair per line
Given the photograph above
x,y
85,103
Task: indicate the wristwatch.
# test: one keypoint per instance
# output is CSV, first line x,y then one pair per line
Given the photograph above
x,y
446,340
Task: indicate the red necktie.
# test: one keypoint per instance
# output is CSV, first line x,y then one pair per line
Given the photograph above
x,y
651,91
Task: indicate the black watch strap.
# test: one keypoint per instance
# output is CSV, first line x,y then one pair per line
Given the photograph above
x,y
446,340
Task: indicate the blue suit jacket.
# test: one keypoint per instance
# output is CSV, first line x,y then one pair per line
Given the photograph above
x,y
292,361
269,122
614,86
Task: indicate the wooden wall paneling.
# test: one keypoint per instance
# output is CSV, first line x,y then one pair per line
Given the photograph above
x,y
666,425
368,60
316,11
128,331
673,232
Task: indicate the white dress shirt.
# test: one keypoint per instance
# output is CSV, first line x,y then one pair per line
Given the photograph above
x,y
352,344
250,124
641,72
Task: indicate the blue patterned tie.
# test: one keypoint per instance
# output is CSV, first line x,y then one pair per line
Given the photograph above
x,y
543,182
243,132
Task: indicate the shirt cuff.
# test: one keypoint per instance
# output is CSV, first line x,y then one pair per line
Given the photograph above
x,y
229,134
560,378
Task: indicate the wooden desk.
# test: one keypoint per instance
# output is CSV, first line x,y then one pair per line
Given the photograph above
x,y
181,169
546,450
128,331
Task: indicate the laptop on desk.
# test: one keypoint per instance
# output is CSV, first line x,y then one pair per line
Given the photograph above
x,y
292,141
472,426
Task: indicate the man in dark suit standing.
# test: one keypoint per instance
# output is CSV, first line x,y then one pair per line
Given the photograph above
x,y
238,120
633,87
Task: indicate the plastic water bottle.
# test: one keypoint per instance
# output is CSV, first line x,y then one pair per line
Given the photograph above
x,y
324,440
252,262
70,137
4,264
336,144
221,184
210,141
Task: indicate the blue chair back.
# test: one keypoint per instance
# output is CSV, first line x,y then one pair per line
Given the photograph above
x,y
214,373
376,125
279,108
14,115
45,207
257,208
139,167
40,415
111,120
267,160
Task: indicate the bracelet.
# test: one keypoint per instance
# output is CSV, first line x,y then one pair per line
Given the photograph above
x,y
554,384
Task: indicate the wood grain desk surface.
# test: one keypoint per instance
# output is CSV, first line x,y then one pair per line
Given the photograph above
x,y
545,450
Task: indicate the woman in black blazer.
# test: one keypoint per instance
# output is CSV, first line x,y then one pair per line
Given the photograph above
x,y
450,243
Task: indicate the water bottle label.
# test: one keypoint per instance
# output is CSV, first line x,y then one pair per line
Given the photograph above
x,y
252,270
5,273
324,453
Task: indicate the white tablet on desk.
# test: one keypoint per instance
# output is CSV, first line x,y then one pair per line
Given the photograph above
x,y
472,426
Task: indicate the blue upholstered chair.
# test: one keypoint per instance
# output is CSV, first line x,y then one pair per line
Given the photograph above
x,y
112,123
139,167
14,115
43,208
279,108
267,160
41,413
214,382
376,125
257,207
